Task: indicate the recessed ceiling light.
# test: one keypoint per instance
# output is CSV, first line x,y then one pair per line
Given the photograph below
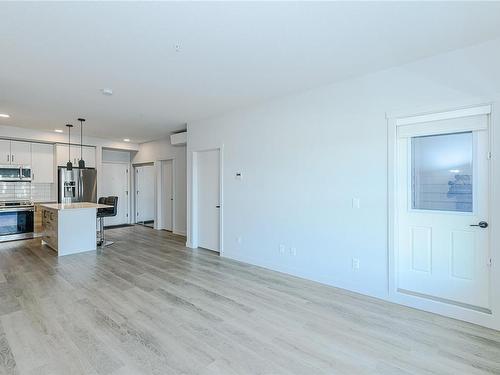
x,y
4,115
107,92
58,130
126,139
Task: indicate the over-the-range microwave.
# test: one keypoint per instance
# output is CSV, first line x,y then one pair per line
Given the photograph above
x,y
15,173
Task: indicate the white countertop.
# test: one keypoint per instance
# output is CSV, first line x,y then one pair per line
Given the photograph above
x,y
73,206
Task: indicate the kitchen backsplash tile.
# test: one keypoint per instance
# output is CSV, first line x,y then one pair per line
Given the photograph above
x,y
41,192
25,190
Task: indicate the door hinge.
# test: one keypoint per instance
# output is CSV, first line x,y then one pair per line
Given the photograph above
x,y
490,262
126,215
489,155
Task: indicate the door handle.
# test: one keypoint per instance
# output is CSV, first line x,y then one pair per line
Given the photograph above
x,y
217,206
481,224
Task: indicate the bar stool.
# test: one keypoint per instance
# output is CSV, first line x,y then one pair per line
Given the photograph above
x,y
105,212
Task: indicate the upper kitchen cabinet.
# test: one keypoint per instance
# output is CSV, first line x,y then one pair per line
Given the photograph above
x,y
20,153
15,152
43,163
74,156
4,151
89,156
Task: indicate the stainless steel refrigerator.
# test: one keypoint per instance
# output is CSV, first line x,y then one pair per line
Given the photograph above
x,y
77,185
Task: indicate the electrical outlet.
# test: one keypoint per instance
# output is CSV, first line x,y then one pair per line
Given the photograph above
x,y
282,249
355,263
293,251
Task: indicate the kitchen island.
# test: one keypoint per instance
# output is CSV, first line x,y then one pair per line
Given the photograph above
x,y
70,228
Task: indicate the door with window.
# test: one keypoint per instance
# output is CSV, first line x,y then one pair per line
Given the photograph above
x,y
442,211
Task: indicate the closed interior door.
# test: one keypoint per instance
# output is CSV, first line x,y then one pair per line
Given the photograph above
x,y
145,193
168,195
42,163
443,199
115,183
208,170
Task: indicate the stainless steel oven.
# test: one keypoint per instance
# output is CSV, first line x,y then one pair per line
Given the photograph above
x,y
16,220
15,173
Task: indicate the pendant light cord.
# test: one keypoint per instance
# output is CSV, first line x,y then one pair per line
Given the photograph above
x,y
81,162
69,143
81,138
69,126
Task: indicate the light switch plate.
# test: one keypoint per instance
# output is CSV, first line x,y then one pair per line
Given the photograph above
x,y
355,203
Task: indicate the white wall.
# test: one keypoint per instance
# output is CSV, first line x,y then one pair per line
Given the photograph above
x,y
156,151
304,158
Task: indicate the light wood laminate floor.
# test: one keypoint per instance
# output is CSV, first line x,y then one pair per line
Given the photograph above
x,y
148,305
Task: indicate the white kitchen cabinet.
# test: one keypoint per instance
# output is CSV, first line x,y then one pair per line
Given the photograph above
x,y
4,151
20,153
42,165
88,155
62,155
15,152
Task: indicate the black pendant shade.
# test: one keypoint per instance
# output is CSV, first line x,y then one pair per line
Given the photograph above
x,y
81,162
69,164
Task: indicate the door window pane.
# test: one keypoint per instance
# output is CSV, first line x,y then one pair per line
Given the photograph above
x,y
442,172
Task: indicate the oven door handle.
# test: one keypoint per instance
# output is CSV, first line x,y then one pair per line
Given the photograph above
x,y
23,209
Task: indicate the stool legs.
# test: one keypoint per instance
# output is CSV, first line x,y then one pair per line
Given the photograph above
x,y
102,237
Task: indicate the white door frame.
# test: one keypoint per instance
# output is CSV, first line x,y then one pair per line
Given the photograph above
x,y
160,207
129,185
489,320
194,198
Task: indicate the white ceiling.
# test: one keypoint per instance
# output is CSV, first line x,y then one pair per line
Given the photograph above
x,y
55,57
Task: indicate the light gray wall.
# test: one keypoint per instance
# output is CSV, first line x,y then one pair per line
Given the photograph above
x,y
156,151
305,157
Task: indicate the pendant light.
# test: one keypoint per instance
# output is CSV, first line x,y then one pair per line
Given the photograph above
x,y
81,162
69,164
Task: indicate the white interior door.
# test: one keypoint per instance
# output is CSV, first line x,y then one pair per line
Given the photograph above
x,y
208,176
443,195
115,182
168,195
145,178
